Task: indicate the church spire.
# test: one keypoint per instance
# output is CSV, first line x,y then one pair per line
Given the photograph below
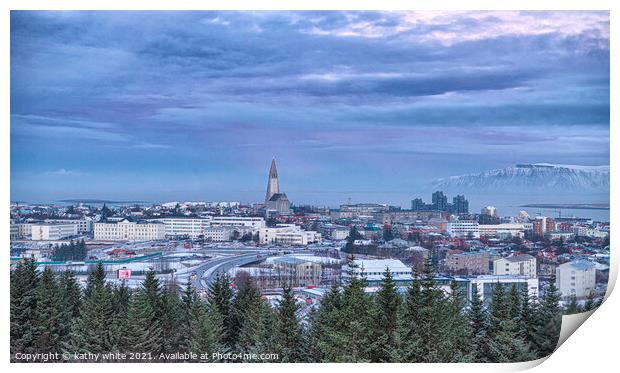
x,y
273,186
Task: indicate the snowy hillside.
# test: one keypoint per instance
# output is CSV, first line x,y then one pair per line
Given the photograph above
x,y
542,177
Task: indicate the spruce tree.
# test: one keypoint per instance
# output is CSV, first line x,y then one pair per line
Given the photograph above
x,y
572,307
23,300
385,314
221,298
408,341
170,315
548,322
247,315
589,304
324,324
289,332
506,343
478,321
208,331
49,314
144,333
91,332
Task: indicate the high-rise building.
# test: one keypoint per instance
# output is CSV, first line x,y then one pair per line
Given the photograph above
x,y
275,201
418,205
440,201
460,205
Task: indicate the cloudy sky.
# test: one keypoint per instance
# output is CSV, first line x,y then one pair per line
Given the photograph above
x,y
368,105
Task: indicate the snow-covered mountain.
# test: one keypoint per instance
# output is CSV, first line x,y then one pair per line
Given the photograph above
x,y
538,177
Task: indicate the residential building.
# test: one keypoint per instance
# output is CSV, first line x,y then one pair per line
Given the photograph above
x,y
506,229
84,226
576,278
297,271
362,209
286,235
48,231
127,229
188,227
373,269
468,263
464,228
487,283
244,221
518,265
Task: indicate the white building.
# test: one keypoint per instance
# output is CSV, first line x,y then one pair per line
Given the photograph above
x,y
503,230
218,234
464,228
47,231
287,234
576,278
83,225
486,284
519,265
190,227
126,229
244,221
373,269
339,234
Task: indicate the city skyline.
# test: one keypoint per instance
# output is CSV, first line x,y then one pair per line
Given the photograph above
x,y
193,105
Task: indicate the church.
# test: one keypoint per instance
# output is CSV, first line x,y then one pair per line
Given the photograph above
x,y
275,201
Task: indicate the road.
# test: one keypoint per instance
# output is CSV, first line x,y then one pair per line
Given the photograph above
x,y
205,273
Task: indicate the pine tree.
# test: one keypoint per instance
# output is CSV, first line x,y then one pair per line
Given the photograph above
x,y
221,298
478,321
352,337
408,341
208,330
121,299
144,333
548,322
170,316
289,333
457,333
527,316
324,323
589,305
48,314
385,314
572,307
23,301
514,301
91,332
247,315
505,344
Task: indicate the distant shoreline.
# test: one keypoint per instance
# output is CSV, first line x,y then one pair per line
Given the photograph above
x,y
576,206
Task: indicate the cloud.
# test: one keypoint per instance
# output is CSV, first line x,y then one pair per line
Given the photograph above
x,y
213,93
63,172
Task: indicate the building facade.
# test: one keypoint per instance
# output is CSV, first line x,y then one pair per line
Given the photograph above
x,y
468,263
126,229
47,231
519,265
287,235
464,228
576,278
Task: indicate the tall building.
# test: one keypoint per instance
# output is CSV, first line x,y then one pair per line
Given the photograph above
x,y
275,200
460,205
440,201
418,205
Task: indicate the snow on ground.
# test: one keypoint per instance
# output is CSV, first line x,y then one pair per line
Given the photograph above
x,y
308,257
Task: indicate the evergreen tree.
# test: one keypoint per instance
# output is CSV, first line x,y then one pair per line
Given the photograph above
x,y
49,315
506,343
589,305
478,321
386,308
324,324
527,316
352,336
23,302
91,332
247,315
221,298
121,299
548,323
208,330
572,307
144,333
289,332
408,341
457,334
170,315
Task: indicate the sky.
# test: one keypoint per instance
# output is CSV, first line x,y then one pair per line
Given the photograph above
x,y
372,106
